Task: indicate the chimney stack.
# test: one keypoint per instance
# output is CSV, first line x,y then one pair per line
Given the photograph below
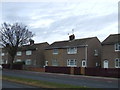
x,y
31,42
71,37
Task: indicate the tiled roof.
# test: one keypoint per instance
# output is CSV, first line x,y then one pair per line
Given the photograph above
x,y
68,43
112,39
31,47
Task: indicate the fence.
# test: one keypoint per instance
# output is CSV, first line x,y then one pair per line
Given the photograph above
x,y
14,66
107,72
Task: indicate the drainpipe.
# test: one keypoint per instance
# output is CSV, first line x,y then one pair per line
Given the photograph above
x,y
86,50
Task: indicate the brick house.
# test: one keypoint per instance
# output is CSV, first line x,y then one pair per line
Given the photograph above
x,y
111,51
32,54
74,53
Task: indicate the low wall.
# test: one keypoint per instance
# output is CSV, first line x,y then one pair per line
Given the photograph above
x,y
14,66
31,68
107,72
53,69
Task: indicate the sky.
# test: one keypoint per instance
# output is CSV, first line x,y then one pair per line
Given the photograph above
x,y
51,21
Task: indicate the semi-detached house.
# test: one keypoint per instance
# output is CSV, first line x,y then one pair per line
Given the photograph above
x,y
111,51
84,52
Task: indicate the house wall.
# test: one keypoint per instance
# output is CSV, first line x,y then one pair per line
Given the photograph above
x,y
62,56
94,44
109,53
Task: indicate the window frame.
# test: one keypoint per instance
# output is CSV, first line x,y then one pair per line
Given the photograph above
x,y
70,51
30,52
28,60
69,63
55,51
117,47
19,53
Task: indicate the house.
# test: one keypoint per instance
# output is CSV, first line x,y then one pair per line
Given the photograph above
x,y
0,55
111,51
32,54
84,52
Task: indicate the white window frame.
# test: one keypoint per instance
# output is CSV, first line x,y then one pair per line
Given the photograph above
x,y
54,62
19,53
84,65
55,51
29,52
74,63
95,52
18,60
72,50
117,63
28,62
117,47
2,54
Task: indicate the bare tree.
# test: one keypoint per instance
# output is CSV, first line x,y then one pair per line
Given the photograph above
x,y
13,36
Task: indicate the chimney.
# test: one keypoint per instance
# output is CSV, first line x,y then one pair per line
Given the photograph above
x,y
31,42
71,37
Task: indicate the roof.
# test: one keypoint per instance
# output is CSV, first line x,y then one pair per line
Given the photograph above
x,y
68,43
111,39
31,47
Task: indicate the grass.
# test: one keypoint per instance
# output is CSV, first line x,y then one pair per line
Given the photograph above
x,y
38,83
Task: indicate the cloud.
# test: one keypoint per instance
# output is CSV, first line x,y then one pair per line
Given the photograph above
x,y
52,21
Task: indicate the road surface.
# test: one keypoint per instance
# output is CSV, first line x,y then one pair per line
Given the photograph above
x,y
78,80
7,84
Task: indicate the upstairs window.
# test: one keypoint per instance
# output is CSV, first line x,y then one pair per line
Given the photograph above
x,y
29,52
2,54
55,51
72,50
19,53
117,63
117,47
71,62
95,52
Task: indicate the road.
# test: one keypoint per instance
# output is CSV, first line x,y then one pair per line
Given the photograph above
x,y
7,84
79,80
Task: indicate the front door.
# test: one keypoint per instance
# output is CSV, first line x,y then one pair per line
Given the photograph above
x,y
105,64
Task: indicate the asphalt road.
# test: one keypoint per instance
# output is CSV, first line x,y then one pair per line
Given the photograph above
x,y
7,84
79,80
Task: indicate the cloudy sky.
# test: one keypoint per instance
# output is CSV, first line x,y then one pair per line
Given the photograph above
x,y
52,21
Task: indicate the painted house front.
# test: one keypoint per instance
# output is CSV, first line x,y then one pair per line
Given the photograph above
x,y
74,53
111,51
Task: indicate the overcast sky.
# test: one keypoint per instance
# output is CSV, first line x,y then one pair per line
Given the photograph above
x,y
52,21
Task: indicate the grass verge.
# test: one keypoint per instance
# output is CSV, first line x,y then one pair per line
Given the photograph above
x,y
38,83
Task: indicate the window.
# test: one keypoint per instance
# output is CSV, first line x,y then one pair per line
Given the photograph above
x,y
18,60
117,47
71,62
72,50
105,63
54,63
28,52
117,63
19,53
95,52
2,54
83,63
28,62
55,51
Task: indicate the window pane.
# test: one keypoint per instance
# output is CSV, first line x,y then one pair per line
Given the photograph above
x,y
28,52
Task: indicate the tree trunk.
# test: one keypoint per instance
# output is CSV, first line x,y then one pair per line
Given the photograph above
x,y
11,62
